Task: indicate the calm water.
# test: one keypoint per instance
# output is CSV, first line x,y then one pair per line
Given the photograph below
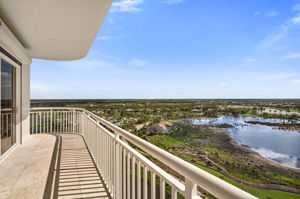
x,y
282,146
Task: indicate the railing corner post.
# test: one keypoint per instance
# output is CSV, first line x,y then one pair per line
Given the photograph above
x,y
191,190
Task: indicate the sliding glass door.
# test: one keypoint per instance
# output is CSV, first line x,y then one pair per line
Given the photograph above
x,y
8,134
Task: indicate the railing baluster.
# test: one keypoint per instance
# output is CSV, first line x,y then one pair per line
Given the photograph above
x,y
145,183
111,165
51,121
128,174
124,173
133,177
107,160
138,178
44,123
70,122
174,193
110,155
153,182
36,123
30,123
57,121
55,124
40,122
73,121
60,122
162,188
119,190
64,121
102,152
67,122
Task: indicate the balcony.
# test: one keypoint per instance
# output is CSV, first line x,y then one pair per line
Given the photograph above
x,y
92,158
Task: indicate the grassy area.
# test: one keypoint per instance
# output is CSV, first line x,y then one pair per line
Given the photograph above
x,y
168,142
260,193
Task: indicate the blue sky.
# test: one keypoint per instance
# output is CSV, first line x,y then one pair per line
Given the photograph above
x,y
183,49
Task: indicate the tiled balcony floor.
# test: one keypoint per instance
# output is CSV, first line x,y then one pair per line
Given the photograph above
x,y
78,176
25,172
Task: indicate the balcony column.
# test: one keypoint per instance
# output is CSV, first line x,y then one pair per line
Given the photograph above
x,y
25,101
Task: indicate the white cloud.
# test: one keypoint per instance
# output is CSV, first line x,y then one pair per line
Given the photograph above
x,y
222,84
282,31
126,6
296,19
111,20
257,13
87,64
97,62
139,62
173,1
297,81
274,76
250,60
107,37
272,13
297,7
292,56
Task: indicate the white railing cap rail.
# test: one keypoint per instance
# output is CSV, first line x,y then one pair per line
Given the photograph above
x,y
56,108
205,180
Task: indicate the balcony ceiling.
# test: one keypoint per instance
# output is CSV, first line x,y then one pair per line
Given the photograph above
x,y
55,29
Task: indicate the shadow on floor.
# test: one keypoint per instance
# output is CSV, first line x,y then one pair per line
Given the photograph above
x,y
76,175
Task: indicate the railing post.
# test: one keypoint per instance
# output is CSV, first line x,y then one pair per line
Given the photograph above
x,y
51,120
117,185
191,190
73,122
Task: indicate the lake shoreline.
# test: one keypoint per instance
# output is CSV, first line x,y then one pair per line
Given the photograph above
x,y
292,127
246,154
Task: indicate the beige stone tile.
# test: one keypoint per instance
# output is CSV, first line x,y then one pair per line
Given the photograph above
x,y
33,191
24,173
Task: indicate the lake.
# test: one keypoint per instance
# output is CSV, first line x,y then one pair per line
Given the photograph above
x,y
282,146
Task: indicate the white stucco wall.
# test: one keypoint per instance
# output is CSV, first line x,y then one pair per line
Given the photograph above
x,y
11,44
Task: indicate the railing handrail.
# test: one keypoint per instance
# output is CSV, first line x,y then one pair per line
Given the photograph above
x,y
57,108
205,180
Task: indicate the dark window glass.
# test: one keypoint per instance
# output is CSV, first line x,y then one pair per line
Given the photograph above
x,y
7,106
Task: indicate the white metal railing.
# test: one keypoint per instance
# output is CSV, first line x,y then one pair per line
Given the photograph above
x,y
58,120
126,172
6,123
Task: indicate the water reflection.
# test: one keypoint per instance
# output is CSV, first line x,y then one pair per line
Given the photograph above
x,y
273,143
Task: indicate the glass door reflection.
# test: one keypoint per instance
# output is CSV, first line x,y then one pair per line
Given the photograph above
x,y
8,137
